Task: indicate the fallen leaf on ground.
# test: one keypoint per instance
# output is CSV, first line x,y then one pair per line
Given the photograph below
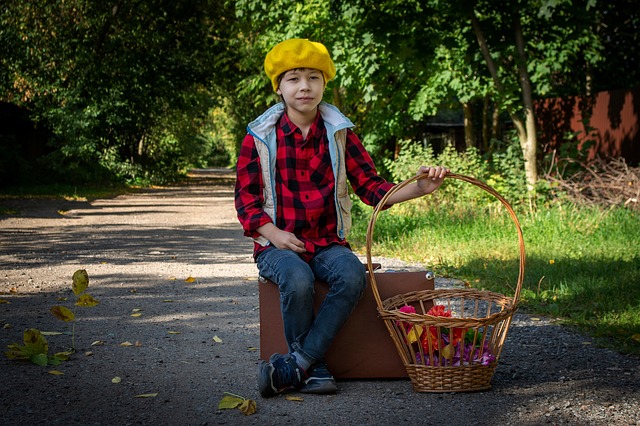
x,y
147,395
190,280
98,343
294,398
217,339
116,380
230,401
51,333
56,372
136,314
126,344
174,332
248,407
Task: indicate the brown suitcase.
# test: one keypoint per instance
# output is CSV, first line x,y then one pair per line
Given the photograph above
x,y
363,348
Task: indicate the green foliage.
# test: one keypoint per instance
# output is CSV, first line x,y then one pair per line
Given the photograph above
x,y
125,91
36,347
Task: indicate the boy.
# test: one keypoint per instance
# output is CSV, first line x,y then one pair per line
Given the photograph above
x,y
292,199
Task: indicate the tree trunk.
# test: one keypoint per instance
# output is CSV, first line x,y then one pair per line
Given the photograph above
x,y
469,131
486,131
530,142
526,129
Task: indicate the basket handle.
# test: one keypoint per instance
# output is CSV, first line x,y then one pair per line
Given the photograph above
x,y
464,178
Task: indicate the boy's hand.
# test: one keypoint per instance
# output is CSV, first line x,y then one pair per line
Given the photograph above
x,y
435,178
281,239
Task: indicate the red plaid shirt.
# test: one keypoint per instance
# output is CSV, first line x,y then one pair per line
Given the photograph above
x,y
304,185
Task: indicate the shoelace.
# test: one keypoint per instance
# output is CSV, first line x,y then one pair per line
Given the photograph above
x,y
286,373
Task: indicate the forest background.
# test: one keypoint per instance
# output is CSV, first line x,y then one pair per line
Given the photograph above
x,y
140,92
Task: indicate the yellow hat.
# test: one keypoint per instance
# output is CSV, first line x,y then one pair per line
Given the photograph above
x,y
298,53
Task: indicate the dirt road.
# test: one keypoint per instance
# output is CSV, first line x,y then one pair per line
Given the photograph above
x,y
192,340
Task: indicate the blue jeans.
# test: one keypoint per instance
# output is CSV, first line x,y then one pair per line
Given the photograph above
x,y
305,333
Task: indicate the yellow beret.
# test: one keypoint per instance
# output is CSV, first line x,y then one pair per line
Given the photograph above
x,y
298,53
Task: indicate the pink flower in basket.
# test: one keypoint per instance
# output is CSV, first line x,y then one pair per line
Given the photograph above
x,y
412,336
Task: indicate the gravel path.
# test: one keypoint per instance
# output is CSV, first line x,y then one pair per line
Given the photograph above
x,y
140,250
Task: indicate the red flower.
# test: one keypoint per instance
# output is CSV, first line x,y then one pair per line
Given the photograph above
x,y
458,333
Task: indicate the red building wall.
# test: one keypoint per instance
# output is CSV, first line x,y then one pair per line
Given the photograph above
x,y
605,125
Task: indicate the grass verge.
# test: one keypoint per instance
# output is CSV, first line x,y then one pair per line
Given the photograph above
x,y
582,267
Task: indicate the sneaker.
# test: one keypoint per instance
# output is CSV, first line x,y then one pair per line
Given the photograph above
x,y
279,375
320,380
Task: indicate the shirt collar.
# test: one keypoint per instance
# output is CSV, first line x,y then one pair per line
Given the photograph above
x,y
288,127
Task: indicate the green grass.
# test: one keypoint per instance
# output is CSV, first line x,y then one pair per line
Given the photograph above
x,y
582,264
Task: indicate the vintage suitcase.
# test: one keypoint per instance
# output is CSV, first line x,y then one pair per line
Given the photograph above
x,y
363,348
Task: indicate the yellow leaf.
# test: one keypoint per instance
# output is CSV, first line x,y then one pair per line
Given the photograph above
x,y
116,380
230,401
126,344
294,398
63,356
248,407
80,281
251,349
86,300
167,301
174,332
217,339
190,280
535,319
448,351
636,337
62,313
4,301
136,310
414,334
172,278
51,333
56,372
146,395
98,343
136,315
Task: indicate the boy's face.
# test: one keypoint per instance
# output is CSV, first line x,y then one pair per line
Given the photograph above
x,y
302,89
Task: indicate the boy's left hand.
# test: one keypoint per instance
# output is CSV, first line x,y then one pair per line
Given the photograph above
x,y
435,178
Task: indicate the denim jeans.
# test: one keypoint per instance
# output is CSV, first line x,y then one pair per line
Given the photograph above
x,y
305,333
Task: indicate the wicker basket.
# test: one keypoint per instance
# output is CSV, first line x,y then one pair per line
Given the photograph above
x,y
448,354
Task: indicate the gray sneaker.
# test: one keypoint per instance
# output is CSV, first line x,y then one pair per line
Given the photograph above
x,y
320,380
279,375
